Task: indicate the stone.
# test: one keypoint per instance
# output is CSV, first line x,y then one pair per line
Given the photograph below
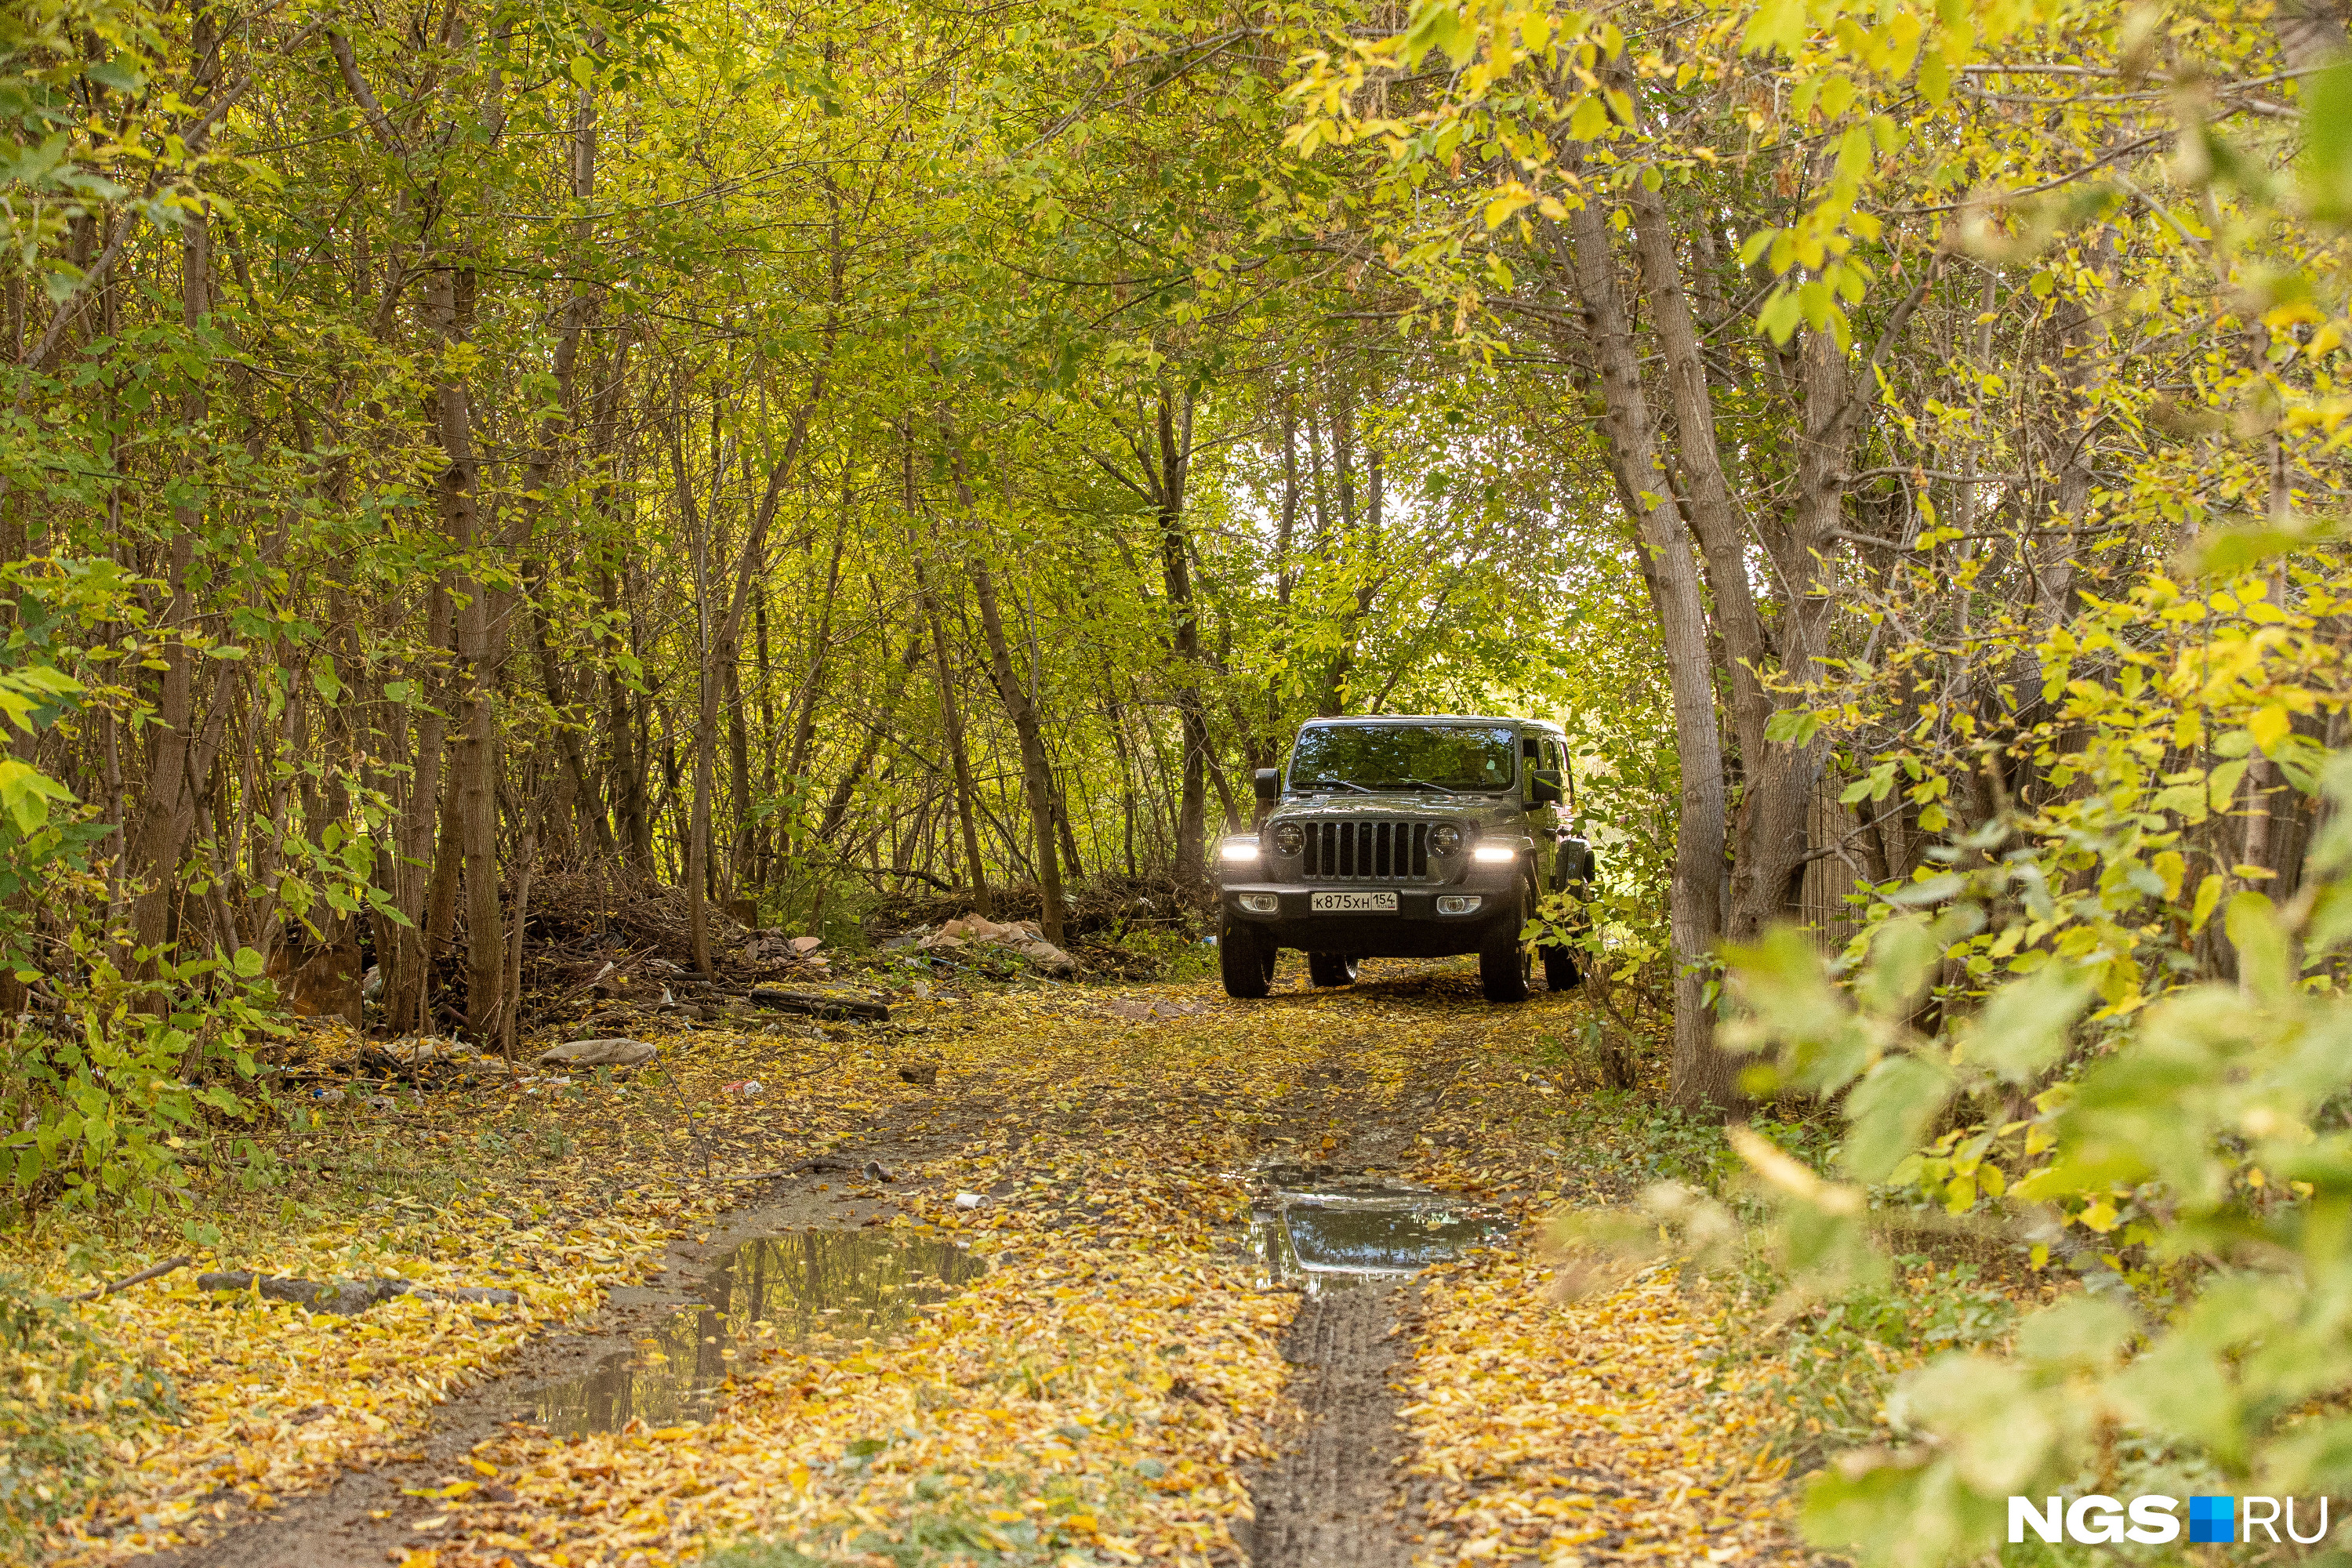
x,y
617,1052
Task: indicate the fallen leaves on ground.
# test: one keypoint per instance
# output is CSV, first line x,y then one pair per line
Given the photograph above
x,y
1590,1432
1100,1394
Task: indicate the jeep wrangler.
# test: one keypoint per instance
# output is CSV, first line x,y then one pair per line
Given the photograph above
x,y
1412,837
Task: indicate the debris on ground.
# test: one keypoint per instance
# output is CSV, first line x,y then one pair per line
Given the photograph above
x,y
617,1051
1022,939
840,1004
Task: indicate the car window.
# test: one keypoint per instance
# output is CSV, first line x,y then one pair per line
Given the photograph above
x,y
1478,757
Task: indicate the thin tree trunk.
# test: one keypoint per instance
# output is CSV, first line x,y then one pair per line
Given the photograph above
x,y
1705,1077
473,796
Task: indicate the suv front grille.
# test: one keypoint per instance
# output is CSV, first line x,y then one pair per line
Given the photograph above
x,y
1367,851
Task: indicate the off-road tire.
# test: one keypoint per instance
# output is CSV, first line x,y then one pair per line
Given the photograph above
x,y
1506,964
1330,969
1244,960
1559,967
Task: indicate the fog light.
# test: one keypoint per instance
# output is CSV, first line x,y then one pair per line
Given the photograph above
x,y
1492,853
1266,903
1458,904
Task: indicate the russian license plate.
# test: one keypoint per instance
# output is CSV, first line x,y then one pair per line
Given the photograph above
x,y
1353,903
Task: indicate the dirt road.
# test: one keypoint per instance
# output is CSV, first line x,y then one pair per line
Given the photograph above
x,y
1106,1307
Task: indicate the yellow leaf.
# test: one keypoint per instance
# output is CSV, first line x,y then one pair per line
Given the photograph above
x,y
2100,1216
1500,210
2209,895
2270,725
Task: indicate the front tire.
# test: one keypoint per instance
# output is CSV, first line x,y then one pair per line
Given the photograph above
x,y
1560,970
1244,960
1506,964
1330,969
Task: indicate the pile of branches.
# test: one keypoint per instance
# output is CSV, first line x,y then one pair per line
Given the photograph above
x,y
604,935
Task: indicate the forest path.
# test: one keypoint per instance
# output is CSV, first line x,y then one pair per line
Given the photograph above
x,y
1125,1382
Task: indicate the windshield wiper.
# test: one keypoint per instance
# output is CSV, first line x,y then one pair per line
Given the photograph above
x,y
1344,784
1431,783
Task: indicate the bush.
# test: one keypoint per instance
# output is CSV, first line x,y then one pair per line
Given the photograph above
x,y
112,1106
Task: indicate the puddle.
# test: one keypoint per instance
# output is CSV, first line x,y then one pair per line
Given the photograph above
x,y
810,1284
1332,1235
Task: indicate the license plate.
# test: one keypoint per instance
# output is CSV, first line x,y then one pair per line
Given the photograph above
x,y
1353,903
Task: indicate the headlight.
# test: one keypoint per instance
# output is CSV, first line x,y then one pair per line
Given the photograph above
x,y
1239,849
1445,839
1289,838
1493,853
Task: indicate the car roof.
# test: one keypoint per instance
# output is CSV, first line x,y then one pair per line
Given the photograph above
x,y
1431,719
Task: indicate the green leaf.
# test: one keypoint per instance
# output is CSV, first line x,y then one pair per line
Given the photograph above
x,y
2327,141
2023,1029
1903,957
26,792
1889,1112
2254,928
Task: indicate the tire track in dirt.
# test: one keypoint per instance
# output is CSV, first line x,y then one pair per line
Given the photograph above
x,y
1336,1497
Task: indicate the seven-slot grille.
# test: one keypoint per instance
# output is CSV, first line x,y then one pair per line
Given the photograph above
x,y
1367,851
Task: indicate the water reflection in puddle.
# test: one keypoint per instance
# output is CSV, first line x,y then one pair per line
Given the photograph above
x,y
813,1284
1330,1237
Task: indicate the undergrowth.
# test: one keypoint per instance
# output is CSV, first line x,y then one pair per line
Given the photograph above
x,y
1828,1365
70,1401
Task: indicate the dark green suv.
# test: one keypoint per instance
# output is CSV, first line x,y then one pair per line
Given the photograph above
x,y
1418,836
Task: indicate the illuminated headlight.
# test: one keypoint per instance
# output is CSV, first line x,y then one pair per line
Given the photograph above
x,y
1289,838
1240,849
1459,904
1445,839
1260,903
1494,853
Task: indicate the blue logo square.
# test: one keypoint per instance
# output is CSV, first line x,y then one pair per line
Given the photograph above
x,y
2212,1519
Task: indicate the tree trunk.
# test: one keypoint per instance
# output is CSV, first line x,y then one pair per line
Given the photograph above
x,y
169,804
1704,1079
473,796
951,723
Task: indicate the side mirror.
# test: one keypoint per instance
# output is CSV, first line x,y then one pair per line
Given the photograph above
x,y
1269,785
1548,790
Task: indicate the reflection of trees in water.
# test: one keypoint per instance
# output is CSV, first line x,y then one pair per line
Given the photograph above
x,y
807,1284
825,1283
1401,1237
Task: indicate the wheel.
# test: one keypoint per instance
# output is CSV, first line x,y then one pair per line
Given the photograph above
x,y
1560,973
1244,960
1330,969
1506,964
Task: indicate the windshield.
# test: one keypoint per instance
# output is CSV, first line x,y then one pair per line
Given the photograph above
x,y
1404,756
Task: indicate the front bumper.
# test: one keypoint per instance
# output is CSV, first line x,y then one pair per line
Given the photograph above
x,y
1415,929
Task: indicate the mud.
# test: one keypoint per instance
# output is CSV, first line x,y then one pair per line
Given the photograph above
x,y
1336,1498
